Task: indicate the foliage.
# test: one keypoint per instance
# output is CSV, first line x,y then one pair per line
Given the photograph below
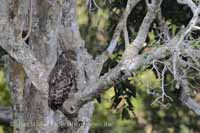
x,y
169,117
4,91
5,99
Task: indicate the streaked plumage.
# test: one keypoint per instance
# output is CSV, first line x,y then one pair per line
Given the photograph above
x,y
62,79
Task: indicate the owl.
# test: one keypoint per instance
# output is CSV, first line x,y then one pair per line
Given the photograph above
x,y
62,79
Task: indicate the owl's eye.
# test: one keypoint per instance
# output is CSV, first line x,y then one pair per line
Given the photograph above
x,y
70,84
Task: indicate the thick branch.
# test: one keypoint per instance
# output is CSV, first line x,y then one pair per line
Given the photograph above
x,y
189,3
153,9
22,54
133,49
120,26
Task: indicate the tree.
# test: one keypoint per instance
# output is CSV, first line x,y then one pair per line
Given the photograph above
x,y
34,33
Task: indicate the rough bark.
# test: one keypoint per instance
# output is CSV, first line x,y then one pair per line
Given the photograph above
x,y
53,24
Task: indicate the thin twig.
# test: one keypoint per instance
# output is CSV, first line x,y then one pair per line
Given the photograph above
x,y
163,85
156,68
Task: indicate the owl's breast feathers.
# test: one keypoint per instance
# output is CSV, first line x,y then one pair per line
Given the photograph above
x,y
62,79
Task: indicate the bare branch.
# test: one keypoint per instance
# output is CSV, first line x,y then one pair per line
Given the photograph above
x,y
113,43
189,3
163,95
126,37
153,9
156,69
133,49
163,84
179,40
196,27
119,28
163,28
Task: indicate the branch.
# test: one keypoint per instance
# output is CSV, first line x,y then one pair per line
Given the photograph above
x,y
189,3
119,72
120,26
133,49
94,89
187,100
5,115
153,9
21,52
126,37
137,44
163,28
180,38
163,95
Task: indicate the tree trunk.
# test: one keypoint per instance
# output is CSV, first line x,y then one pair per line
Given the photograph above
x,y
53,29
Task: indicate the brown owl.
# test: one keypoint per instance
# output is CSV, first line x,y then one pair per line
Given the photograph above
x,y
62,79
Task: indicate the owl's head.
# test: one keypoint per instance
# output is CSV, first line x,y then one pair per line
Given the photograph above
x,y
68,54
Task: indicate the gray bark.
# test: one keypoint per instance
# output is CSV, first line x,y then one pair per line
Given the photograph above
x,y
53,23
